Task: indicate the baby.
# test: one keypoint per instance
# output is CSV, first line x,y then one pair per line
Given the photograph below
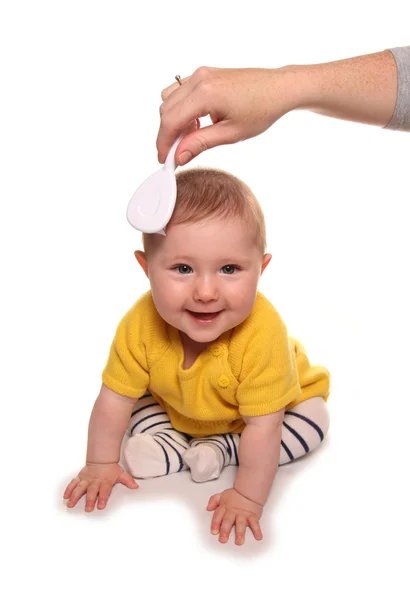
x,y
201,370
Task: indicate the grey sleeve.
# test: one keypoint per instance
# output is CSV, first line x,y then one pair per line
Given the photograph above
x,y
401,116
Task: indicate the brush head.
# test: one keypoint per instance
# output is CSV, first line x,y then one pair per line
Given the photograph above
x,y
152,205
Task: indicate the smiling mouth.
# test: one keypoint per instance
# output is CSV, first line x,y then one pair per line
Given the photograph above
x,y
204,317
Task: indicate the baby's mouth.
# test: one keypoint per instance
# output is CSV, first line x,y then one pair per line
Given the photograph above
x,y
204,317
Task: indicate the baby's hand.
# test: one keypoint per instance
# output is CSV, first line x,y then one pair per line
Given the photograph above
x,y
97,480
234,509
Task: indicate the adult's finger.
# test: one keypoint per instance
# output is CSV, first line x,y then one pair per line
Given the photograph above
x,y
198,84
171,88
201,74
189,102
203,139
176,120
177,95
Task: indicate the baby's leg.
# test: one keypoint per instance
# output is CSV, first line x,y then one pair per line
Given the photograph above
x,y
207,456
154,448
304,427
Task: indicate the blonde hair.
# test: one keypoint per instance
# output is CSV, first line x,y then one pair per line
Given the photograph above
x,y
207,193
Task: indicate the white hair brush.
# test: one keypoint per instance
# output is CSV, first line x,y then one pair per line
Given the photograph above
x,y
152,205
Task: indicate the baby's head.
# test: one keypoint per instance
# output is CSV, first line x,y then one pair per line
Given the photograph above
x,y
205,194
204,272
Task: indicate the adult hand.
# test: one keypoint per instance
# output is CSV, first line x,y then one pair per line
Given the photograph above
x,y
97,481
231,508
240,102
244,102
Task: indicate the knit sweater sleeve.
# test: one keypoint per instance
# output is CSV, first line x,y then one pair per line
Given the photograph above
x,y
268,378
128,366
401,116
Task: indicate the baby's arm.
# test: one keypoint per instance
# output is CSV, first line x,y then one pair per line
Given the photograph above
x,y
242,505
259,450
108,423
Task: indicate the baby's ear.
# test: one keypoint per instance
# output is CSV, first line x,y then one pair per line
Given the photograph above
x,y
265,261
142,259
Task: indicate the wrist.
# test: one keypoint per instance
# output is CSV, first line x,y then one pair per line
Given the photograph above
x,y
301,83
248,497
304,83
253,485
96,463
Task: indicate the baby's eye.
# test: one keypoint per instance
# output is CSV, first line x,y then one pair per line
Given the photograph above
x,y
183,269
229,269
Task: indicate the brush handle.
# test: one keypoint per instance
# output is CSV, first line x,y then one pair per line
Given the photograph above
x,y
170,164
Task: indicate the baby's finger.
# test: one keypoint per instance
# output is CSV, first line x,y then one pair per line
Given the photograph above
x,y
213,502
226,526
79,491
92,493
255,527
240,530
217,520
104,494
73,484
126,479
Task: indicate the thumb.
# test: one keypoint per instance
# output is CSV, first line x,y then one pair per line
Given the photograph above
x,y
126,479
198,141
214,502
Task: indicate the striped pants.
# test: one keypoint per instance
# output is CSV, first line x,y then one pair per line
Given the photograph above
x,y
155,448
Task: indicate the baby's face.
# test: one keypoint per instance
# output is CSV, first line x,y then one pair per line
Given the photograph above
x,y
204,277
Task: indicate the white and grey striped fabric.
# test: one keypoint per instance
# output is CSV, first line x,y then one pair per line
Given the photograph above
x,y
156,449
150,418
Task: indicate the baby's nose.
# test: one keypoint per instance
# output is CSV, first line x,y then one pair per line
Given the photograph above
x,y
206,289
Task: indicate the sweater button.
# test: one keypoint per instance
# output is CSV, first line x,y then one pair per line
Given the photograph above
x,y
223,381
216,350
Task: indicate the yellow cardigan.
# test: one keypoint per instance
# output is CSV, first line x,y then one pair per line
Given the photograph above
x,y
252,370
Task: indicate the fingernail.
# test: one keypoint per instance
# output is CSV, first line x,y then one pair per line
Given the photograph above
x,y
185,157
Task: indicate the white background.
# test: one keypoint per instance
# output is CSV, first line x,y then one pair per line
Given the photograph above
x,y
80,92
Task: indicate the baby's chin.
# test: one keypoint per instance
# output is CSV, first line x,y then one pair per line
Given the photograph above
x,y
207,335
202,337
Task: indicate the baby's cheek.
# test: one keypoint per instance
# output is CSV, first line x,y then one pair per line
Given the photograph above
x,y
245,295
161,300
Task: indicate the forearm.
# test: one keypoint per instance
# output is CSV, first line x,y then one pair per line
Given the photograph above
x,y
361,89
259,450
108,423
